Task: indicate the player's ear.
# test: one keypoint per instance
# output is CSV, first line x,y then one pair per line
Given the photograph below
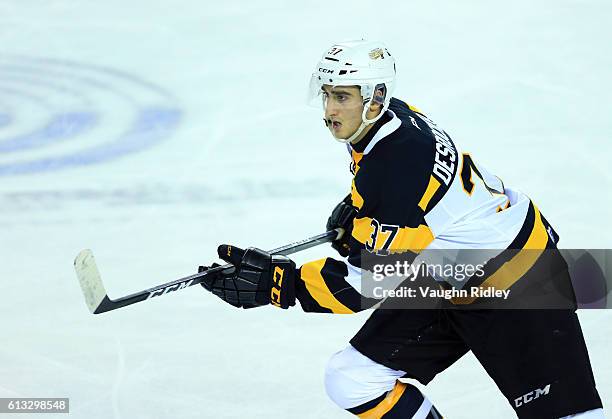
x,y
377,100
374,109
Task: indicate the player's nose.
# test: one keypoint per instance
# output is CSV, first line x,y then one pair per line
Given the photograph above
x,y
331,110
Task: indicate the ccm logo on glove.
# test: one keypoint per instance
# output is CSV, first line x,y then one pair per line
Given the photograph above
x,y
277,283
257,278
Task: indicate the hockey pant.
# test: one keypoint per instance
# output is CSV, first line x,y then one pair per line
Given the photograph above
x,y
371,390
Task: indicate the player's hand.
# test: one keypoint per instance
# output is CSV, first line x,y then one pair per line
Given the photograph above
x,y
342,217
257,278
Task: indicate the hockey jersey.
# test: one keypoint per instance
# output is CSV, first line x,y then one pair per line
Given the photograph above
x,y
415,189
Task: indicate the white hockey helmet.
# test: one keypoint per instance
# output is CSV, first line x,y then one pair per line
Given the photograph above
x,y
362,63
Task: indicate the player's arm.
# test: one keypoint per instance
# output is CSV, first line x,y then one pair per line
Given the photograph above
x,y
387,219
329,285
259,278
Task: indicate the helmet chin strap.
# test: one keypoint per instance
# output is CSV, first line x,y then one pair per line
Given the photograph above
x,y
364,123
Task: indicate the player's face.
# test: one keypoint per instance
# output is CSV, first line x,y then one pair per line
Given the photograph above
x,y
343,109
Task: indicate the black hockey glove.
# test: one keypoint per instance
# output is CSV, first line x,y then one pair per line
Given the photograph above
x,y
257,278
342,217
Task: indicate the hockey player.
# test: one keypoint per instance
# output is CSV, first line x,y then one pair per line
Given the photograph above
x,y
414,188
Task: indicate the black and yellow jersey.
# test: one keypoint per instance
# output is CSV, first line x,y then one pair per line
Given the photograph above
x,y
415,189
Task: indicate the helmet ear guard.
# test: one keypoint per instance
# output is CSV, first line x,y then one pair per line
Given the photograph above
x,y
380,93
375,94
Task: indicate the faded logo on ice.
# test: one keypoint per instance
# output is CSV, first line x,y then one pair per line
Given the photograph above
x,y
57,114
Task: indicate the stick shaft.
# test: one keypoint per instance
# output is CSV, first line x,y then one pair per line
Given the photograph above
x,y
99,302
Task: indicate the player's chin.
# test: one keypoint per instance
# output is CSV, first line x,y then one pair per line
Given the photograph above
x,y
339,134
335,133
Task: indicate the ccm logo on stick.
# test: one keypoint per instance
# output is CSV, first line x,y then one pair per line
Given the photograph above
x,y
532,395
277,283
174,287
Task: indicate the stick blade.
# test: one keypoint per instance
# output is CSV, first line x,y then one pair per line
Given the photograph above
x,y
89,279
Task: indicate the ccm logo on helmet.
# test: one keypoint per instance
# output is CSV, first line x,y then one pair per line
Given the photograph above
x,y
325,70
277,283
532,395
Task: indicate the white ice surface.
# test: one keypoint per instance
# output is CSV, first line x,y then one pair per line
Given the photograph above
x,y
524,85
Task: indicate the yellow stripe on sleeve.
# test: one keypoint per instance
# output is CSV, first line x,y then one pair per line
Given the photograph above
x,y
318,290
412,238
362,229
432,187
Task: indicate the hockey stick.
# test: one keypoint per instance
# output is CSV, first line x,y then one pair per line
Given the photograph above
x,y
98,301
